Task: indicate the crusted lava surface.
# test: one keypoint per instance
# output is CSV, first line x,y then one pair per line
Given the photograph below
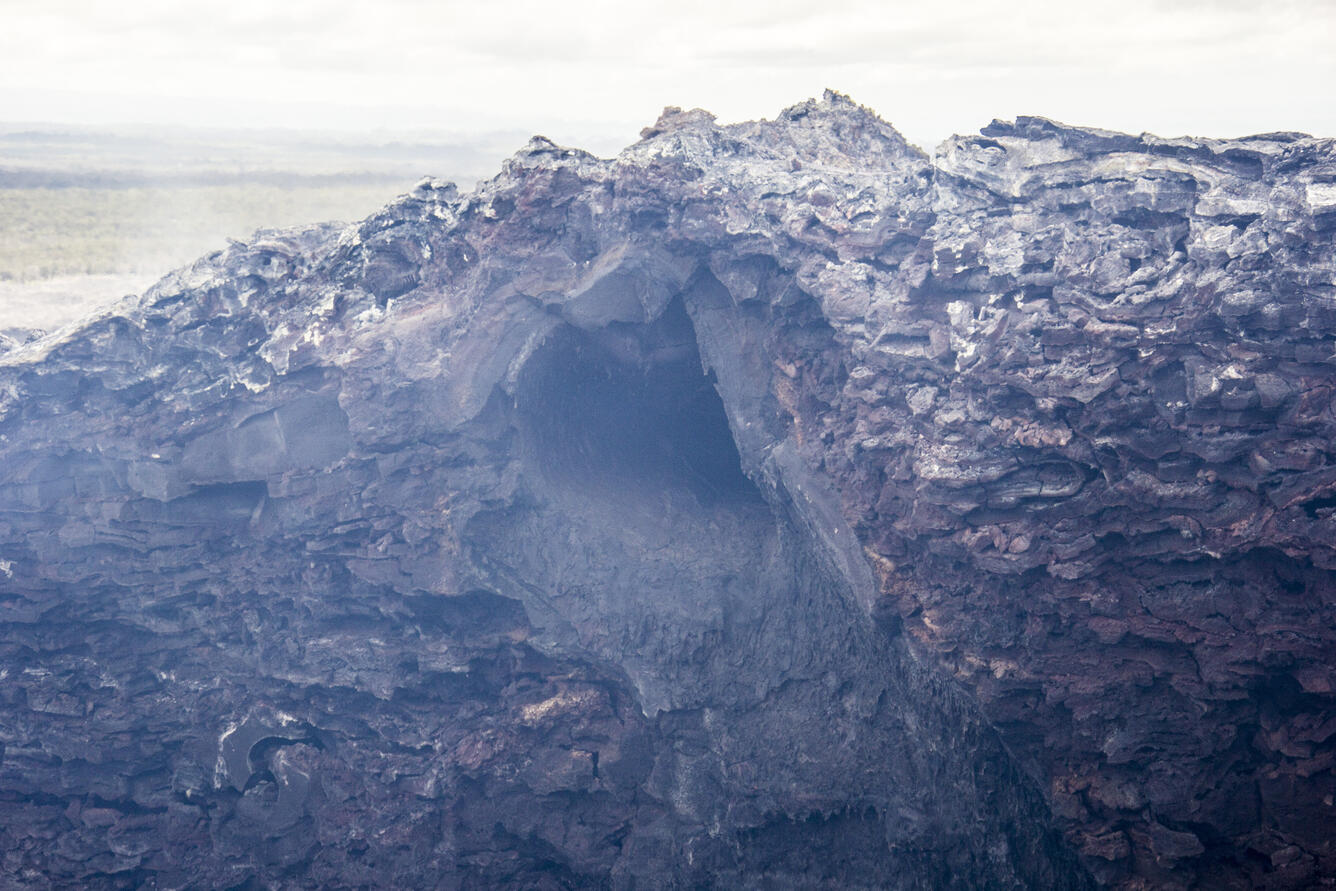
x,y
771,505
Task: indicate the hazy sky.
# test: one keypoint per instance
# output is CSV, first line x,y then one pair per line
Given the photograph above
x,y
591,72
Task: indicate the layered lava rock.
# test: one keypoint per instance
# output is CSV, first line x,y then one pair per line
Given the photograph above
x,y
768,506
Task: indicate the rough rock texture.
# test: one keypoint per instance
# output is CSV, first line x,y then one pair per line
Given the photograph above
x,y
771,505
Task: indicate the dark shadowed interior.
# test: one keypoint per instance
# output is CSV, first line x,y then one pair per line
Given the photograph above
x,y
628,407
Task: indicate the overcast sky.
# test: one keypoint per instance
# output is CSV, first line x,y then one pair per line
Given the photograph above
x,y
592,72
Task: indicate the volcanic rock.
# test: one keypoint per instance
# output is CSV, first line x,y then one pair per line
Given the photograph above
x,y
771,505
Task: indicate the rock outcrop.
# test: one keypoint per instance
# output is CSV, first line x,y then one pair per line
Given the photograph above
x,y
770,505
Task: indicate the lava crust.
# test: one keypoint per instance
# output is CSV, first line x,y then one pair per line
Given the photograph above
x,y
769,506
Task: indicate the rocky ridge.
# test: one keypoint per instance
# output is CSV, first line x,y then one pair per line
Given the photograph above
x,y
770,504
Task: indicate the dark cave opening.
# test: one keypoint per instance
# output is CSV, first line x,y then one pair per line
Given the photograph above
x,y
637,539
628,408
